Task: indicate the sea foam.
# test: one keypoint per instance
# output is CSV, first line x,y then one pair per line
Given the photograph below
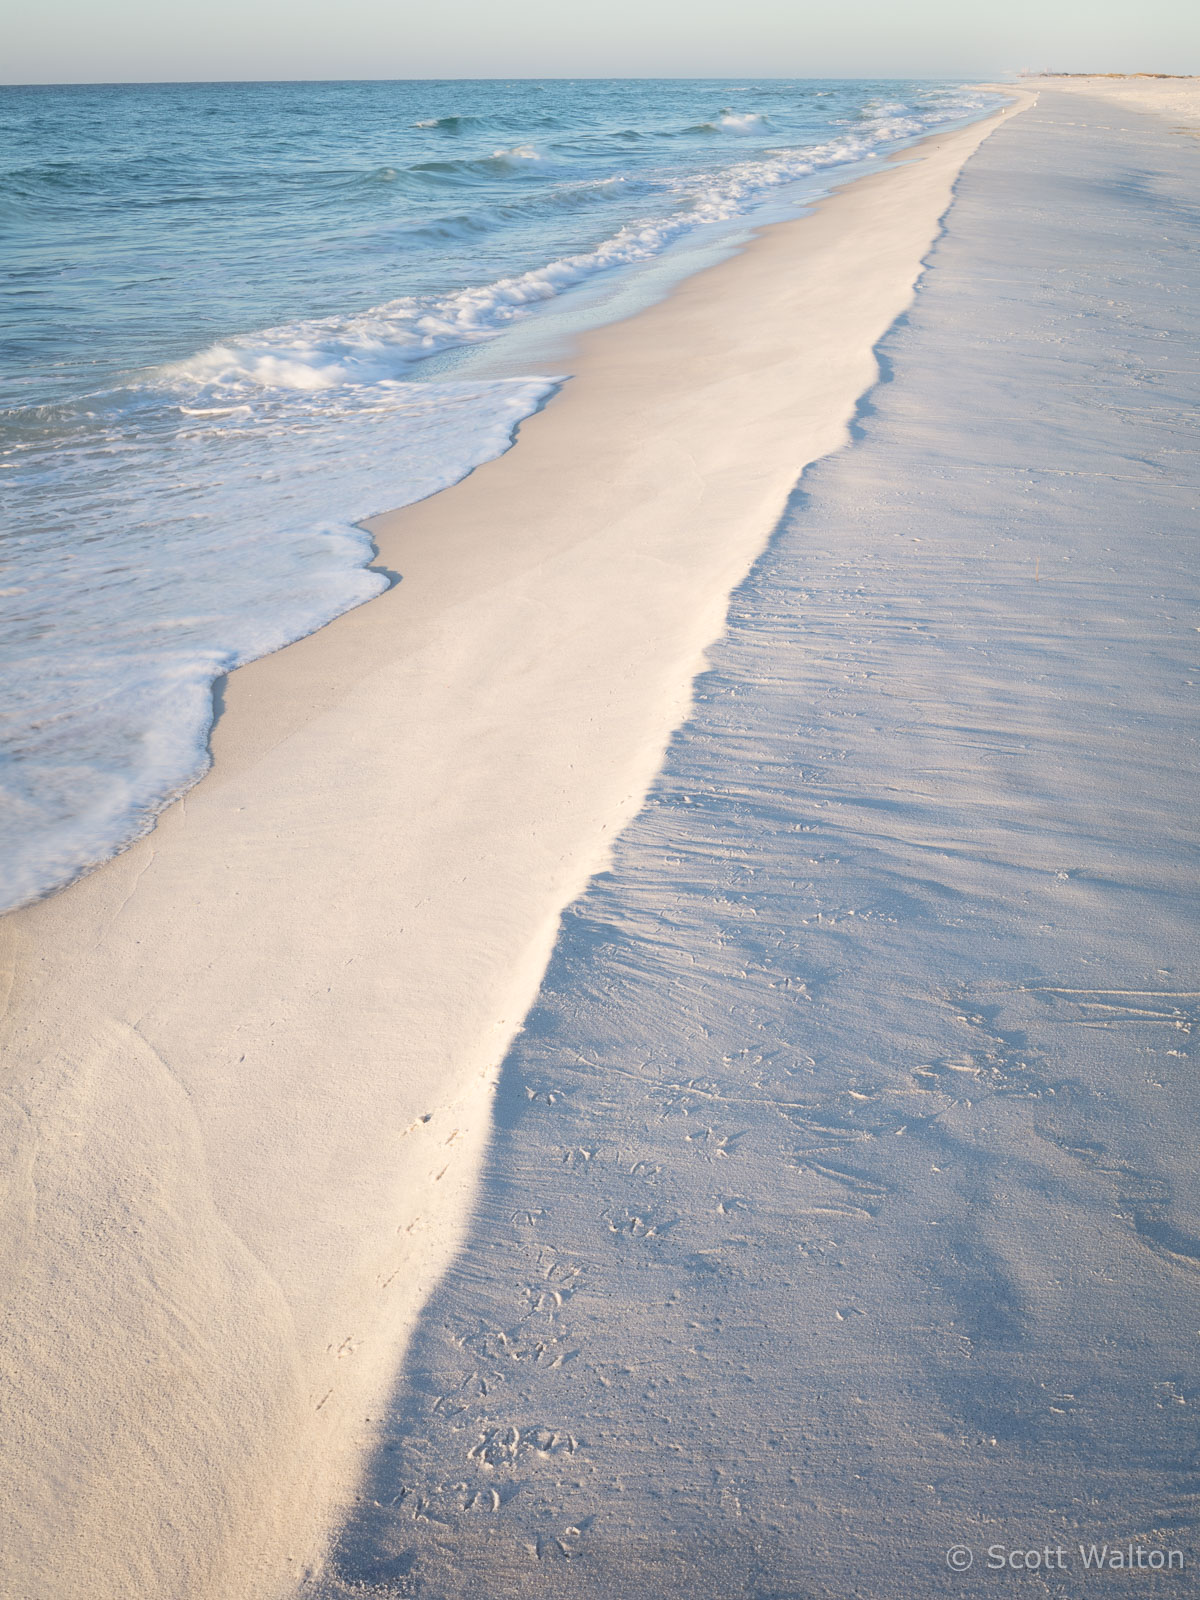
x,y
141,587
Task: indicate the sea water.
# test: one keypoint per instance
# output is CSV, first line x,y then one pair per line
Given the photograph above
x,y
233,320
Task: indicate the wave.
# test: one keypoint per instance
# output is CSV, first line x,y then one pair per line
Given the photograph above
x,y
518,155
455,226
460,122
731,122
470,169
451,124
386,341
111,645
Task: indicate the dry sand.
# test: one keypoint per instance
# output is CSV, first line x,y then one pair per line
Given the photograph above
x,y
843,1206
1177,99
248,1064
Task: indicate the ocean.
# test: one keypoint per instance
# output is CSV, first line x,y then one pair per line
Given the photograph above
x,y
237,319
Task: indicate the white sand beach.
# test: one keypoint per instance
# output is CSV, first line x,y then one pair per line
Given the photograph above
x,y
251,1059
840,1232
299,1303
1177,99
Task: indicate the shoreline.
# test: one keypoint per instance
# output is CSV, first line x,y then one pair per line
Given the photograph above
x,y
353,411
259,1044
1160,94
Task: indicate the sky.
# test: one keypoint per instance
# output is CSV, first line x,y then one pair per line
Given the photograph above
x,y
107,41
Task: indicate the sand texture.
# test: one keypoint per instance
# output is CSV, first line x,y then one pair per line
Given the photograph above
x,y
248,1065
1175,99
843,1206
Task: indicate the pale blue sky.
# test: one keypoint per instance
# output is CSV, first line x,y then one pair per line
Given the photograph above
x,y
73,41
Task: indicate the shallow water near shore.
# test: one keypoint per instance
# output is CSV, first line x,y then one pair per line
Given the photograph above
x,y
227,319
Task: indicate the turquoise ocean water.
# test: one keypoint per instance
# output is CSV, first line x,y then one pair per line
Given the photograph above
x,y
238,318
